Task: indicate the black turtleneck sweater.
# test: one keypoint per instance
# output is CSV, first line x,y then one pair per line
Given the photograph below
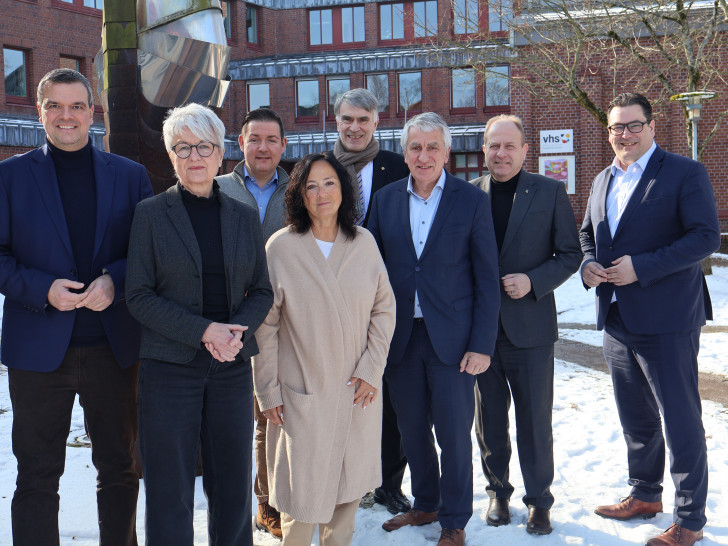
x,y
204,213
77,186
501,199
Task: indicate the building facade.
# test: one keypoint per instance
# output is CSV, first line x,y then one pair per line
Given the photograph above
x,y
296,56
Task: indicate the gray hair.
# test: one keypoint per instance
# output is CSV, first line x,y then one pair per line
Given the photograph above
x,y
426,121
200,120
358,98
67,76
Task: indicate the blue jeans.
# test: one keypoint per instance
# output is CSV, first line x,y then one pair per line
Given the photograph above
x,y
180,407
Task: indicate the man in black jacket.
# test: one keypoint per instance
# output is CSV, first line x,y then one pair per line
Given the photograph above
x,y
357,116
538,249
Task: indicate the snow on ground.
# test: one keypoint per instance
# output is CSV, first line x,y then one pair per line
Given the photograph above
x,y
589,451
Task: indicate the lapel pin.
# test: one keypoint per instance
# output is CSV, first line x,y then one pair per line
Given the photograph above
x,y
526,191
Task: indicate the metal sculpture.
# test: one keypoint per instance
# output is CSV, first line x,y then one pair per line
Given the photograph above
x,y
155,55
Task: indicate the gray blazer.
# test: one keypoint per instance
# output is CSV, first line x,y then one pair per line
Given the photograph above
x,y
541,241
164,276
233,184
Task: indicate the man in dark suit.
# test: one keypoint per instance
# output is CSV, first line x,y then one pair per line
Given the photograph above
x,y
435,233
357,116
650,220
65,215
538,247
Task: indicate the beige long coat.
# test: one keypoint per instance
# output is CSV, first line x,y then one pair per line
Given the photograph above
x,y
331,320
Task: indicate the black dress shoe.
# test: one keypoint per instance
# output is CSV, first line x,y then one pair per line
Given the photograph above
x,y
498,513
539,522
393,499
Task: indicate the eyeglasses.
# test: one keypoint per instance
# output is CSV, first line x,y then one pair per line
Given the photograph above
x,y
633,127
204,149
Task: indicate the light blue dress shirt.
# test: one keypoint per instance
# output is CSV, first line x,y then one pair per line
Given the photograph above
x,y
621,189
261,195
422,214
623,186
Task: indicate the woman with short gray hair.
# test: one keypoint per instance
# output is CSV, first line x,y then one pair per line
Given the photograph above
x,y
197,281
199,120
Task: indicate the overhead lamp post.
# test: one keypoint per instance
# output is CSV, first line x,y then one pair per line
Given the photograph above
x,y
694,105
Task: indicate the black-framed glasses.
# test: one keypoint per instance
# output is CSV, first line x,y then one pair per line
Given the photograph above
x,y
204,149
633,127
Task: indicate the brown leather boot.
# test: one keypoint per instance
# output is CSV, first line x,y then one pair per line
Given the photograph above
x,y
268,519
452,537
629,508
411,517
676,536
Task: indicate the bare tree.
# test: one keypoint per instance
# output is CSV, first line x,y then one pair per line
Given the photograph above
x,y
556,47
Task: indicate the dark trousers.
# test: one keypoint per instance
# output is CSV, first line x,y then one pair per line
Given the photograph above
x,y
653,375
528,376
42,407
183,406
394,460
427,392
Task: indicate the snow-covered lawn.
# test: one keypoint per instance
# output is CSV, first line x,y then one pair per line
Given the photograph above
x,y
589,451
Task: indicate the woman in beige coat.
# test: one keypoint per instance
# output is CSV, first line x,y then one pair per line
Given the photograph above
x,y
323,348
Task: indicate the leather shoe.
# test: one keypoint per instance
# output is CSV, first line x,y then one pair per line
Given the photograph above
x,y
629,508
539,522
268,519
498,513
393,499
413,517
452,537
676,535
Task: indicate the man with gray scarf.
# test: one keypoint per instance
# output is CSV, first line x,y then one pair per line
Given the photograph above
x,y
357,116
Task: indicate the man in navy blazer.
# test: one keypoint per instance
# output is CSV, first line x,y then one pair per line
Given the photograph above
x,y
650,220
65,216
435,233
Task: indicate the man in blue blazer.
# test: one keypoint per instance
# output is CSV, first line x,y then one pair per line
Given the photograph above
x,y
650,220
435,233
65,216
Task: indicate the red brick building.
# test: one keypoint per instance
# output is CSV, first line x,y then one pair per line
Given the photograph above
x,y
295,56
